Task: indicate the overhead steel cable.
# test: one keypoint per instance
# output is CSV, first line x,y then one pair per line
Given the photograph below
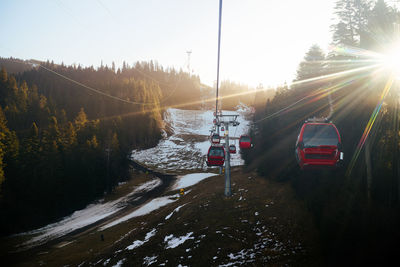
x,y
281,110
95,90
321,92
150,77
102,93
219,49
118,24
331,110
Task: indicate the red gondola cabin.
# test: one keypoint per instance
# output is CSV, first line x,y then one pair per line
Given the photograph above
x,y
245,142
232,149
216,156
215,138
318,145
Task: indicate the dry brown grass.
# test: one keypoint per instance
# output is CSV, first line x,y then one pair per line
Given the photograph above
x,y
261,217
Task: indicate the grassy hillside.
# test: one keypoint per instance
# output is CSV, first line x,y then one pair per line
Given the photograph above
x,y
262,223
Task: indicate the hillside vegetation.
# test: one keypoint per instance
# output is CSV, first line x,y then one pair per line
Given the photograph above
x,y
202,228
66,133
356,206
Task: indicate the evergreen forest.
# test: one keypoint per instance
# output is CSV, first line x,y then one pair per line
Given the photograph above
x,y
66,132
356,207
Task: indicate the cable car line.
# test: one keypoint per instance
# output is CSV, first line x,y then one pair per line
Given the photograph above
x,y
331,110
146,103
173,91
117,98
319,143
219,49
333,75
100,92
34,64
96,90
144,74
299,121
318,91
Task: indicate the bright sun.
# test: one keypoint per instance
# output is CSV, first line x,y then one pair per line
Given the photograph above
x,y
392,59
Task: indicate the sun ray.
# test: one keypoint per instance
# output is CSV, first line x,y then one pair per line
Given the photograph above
x,y
336,74
370,124
346,50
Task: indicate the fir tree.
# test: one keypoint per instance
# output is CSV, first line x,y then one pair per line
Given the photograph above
x,y
351,21
313,64
3,129
80,120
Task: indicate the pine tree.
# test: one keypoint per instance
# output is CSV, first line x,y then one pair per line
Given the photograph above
x,y
33,140
52,137
9,147
381,27
80,120
69,135
3,84
3,75
30,153
3,129
352,20
312,65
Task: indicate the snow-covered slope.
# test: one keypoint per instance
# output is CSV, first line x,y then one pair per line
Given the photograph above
x,y
98,211
186,148
82,218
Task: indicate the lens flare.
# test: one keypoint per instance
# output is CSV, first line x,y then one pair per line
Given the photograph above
x,y
392,59
370,124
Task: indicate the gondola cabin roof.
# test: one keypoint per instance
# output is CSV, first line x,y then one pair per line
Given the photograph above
x,y
320,130
245,141
215,138
318,145
216,155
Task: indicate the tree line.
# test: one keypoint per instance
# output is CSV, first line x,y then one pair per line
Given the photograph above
x,y
356,207
62,145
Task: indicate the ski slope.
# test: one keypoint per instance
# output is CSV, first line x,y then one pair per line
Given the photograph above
x,y
187,147
93,213
184,150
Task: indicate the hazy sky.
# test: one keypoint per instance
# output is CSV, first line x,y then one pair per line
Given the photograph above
x,y
263,41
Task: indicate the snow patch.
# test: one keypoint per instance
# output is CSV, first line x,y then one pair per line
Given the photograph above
x,y
175,210
81,218
143,210
191,179
119,263
135,244
147,186
173,242
149,260
187,147
138,243
203,147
